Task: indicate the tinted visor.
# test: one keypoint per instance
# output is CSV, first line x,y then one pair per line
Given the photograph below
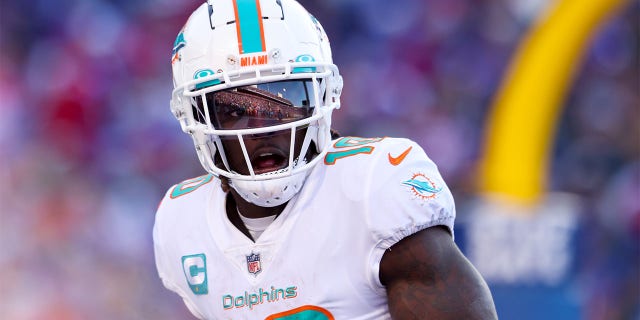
x,y
257,106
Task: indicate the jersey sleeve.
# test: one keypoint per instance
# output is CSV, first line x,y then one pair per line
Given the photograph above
x,y
407,194
162,247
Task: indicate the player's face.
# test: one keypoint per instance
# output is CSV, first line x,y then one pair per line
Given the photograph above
x,y
261,106
267,152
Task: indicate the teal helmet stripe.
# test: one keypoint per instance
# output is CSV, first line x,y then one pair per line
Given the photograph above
x,y
249,25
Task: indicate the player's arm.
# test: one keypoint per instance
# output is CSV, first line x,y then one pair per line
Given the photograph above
x,y
427,277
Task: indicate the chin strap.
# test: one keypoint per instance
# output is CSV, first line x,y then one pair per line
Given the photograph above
x,y
273,192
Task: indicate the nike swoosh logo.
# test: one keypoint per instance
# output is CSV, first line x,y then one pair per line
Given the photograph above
x,y
397,160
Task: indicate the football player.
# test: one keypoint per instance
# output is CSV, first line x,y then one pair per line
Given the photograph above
x,y
291,222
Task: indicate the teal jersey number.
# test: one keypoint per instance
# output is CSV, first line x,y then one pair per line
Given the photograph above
x,y
352,146
190,185
303,313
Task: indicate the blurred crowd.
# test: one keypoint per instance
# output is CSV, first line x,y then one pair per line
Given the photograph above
x,y
88,145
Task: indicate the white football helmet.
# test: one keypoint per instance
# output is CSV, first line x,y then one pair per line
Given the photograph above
x,y
246,69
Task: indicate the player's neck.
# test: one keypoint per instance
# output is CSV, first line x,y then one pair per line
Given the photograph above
x,y
236,205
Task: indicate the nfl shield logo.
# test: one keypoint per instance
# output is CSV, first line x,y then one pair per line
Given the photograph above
x,y
253,263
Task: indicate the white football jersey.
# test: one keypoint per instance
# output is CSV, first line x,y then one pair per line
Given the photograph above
x,y
320,258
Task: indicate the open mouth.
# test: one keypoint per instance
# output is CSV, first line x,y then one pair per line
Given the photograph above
x,y
269,161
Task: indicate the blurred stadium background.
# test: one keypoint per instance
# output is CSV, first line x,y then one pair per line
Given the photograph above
x,y
88,147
